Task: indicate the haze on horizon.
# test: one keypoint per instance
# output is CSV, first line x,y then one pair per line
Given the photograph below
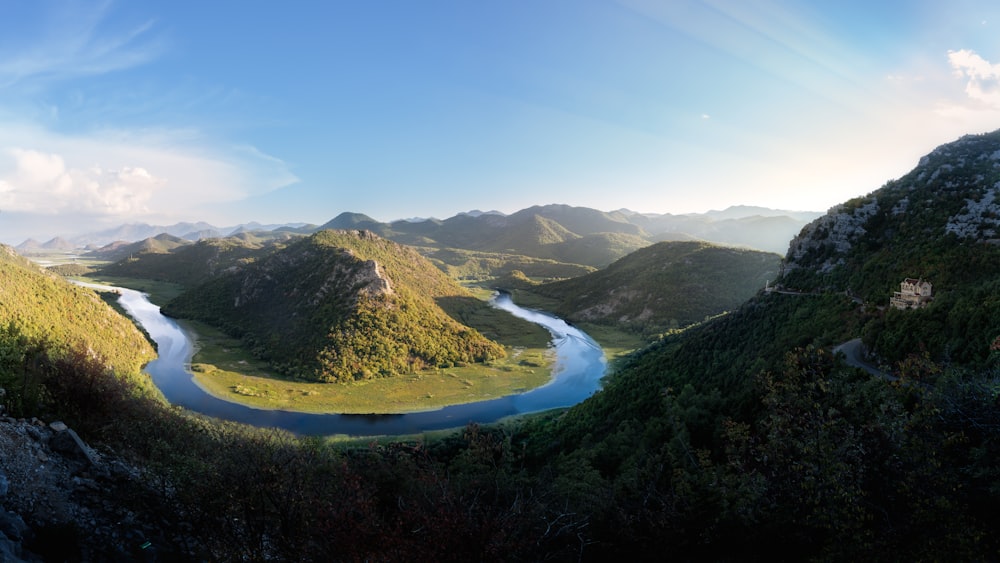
x,y
230,112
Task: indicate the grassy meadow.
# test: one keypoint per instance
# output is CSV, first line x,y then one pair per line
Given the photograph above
x,y
224,369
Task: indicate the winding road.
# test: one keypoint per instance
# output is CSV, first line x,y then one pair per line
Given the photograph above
x,y
854,356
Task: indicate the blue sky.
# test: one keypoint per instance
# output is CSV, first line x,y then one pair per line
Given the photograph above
x,y
229,112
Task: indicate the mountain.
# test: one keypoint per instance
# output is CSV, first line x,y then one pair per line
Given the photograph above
x,y
760,435
65,318
340,306
189,231
162,243
57,244
187,263
347,221
136,232
563,233
745,211
585,236
940,222
667,285
28,246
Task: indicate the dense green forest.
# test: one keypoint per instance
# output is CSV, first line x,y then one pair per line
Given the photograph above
x,y
39,306
696,449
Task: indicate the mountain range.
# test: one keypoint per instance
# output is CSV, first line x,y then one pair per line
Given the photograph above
x,y
561,232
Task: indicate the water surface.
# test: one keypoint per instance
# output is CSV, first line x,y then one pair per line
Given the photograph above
x,y
577,372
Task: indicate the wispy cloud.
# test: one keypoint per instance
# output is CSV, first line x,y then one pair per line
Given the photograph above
x,y
75,41
983,83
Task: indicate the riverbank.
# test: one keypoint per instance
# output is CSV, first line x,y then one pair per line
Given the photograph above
x,y
223,369
577,370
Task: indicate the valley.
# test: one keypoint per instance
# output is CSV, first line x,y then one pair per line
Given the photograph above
x,y
720,418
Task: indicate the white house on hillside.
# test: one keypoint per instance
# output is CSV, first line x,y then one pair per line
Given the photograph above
x,y
912,294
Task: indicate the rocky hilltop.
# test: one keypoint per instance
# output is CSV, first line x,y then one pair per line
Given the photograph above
x,y
940,224
950,198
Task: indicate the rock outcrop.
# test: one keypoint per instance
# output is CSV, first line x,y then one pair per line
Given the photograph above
x,y
62,501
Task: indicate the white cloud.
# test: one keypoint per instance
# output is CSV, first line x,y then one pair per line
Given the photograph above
x,y
128,176
42,183
983,77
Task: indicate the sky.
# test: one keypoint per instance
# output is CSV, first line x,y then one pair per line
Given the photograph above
x,y
228,112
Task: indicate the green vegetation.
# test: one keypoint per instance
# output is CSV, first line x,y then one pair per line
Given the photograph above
x,y
159,292
912,230
740,437
341,306
662,287
469,265
223,368
70,270
191,263
40,306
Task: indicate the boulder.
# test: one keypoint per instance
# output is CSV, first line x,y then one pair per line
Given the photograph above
x,y
69,444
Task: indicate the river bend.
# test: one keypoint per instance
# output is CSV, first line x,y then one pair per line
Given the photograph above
x,y
577,372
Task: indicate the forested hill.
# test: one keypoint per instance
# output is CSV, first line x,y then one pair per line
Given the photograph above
x,y
939,223
63,318
749,437
338,306
667,285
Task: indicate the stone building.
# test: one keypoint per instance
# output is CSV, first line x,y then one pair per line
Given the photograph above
x,y
912,294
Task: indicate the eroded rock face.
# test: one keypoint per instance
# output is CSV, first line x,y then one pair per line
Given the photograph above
x,y
345,274
953,191
835,233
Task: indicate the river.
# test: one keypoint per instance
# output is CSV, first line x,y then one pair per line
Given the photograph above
x,y
577,372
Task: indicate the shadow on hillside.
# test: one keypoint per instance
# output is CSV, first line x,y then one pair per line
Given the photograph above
x,y
463,309
496,324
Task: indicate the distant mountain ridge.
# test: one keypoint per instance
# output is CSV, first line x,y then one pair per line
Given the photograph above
x,y
587,236
134,232
620,232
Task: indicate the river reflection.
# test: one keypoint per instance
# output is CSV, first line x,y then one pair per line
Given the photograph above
x,y
577,373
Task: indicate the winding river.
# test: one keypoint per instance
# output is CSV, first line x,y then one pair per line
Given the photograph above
x,y
577,372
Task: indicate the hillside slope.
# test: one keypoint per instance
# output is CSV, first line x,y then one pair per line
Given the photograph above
x,y
749,435
664,286
39,305
339,306
191,263
940,223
